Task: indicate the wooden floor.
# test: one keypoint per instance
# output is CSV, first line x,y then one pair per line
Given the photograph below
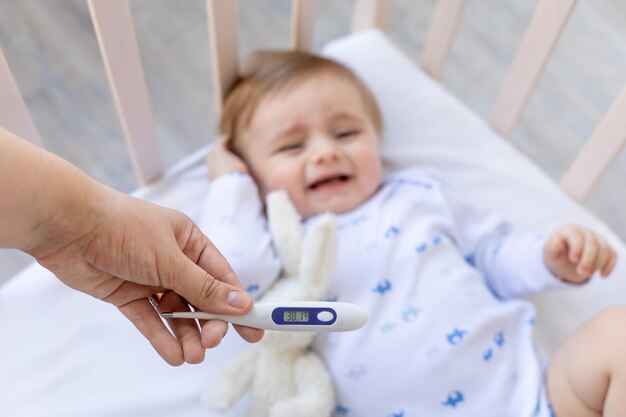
x,y
52,50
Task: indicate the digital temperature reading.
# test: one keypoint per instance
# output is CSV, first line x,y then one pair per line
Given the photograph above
x,y
295,316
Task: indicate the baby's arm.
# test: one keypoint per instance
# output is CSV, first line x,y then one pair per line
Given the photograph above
x,y
511,261
233,219
574,253
517,264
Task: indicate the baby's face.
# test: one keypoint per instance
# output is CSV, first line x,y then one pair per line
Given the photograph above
x,y
316,141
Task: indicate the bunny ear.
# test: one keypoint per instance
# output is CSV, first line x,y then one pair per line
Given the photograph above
x,y
286,230
318,256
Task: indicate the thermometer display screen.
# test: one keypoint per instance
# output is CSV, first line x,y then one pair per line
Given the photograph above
x,y
295,316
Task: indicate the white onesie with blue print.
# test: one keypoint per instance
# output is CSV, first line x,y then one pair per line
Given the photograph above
x,y
447,334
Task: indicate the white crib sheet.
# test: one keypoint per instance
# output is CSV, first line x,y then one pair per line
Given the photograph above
x,y
65,354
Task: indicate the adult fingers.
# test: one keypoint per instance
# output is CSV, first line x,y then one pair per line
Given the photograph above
x,y
205,290
249,334
213,331
148,322
185,330
133,300
214,261
211,260
217,272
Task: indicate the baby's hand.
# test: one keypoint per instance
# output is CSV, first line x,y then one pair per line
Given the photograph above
x,y
222,161
573,253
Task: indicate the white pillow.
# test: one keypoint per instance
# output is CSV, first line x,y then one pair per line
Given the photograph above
x,y
64,353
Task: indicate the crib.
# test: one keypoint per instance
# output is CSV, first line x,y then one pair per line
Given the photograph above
x,y
83,358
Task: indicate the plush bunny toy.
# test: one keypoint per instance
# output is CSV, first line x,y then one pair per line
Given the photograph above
x,y
286,377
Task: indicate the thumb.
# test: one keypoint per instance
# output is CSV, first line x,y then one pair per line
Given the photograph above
x,y
216,292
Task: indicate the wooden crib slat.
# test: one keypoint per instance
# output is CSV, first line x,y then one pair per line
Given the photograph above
x,y
224,41
598,152
303,25
444,25
118,45
545,28
14,115
371,13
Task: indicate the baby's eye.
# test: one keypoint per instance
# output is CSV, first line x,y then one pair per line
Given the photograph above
x,y
346,133
290,147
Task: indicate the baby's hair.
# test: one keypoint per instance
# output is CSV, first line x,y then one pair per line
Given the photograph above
x,y
266,72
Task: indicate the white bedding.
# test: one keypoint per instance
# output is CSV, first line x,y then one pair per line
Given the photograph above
x,y
65,354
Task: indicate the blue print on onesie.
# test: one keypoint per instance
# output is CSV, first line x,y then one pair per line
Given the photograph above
x,y
454,399
383,286
391,232
421,248
252,288
387,327
410,313
353,222
417,183
456,336
498,338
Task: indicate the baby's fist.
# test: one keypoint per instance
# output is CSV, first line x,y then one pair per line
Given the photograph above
x,y
222,161
574,253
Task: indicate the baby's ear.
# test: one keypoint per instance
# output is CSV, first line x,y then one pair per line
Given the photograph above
x,y
229,144
286,229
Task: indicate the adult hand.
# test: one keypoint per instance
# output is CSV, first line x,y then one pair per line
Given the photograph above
x,y
118,249
131,250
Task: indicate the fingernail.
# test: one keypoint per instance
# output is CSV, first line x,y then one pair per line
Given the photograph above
x,y
238,299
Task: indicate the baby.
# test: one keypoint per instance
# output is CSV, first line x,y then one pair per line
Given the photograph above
x,y
449,333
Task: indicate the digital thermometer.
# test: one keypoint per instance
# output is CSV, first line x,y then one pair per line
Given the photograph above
x,y
303,316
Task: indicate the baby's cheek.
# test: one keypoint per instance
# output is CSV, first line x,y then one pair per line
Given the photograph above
x,y
372,169
283,180
294,188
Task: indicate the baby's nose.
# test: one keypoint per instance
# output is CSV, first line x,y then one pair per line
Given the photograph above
x,y
326,151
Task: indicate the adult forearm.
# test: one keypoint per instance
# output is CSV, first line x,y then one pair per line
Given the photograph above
x,y
42,196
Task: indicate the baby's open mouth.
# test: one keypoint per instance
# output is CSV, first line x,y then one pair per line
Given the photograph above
x,y
329,181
